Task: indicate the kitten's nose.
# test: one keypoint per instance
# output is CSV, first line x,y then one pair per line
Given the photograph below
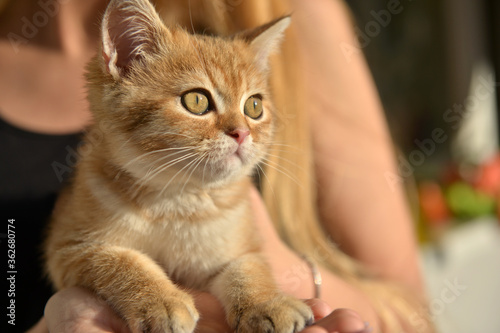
x,y
239,134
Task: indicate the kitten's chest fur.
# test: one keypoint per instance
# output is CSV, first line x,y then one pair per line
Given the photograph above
x,y
193,249
191,235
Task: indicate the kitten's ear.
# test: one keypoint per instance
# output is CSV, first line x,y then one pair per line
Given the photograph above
x,y
130,30
266,39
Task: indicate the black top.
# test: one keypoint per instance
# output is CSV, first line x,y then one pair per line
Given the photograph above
x,y
33,168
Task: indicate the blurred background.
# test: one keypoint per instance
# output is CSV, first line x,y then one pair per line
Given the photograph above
x,y
436,64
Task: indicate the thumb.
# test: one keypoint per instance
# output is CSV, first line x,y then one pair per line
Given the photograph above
x,y
319,308
340,321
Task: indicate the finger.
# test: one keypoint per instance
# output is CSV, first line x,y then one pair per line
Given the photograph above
x,y
315,329
77,310
212,314
108,321
319,308
341,321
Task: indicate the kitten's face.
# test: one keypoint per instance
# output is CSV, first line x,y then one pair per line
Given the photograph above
x,y
188,113
186,109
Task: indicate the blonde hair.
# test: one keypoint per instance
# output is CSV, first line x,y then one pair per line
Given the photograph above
x,y
288,186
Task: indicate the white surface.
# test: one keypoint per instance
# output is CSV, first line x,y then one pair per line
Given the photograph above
x,y
463,279
476,140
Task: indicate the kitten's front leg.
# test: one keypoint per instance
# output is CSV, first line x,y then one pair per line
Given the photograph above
x,y
252,301
132,283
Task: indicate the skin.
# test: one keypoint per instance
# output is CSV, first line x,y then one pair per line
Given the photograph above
x,y
344,101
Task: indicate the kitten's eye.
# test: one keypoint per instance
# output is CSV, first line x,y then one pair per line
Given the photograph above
x,y
195,102
253,107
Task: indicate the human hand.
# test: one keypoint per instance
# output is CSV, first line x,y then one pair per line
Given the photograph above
x,y
78,310
338,321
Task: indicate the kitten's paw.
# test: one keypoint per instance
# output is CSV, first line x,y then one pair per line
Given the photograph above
x,y
283,314
173,313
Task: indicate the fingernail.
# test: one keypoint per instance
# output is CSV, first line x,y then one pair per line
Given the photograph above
x,y
362,331
367,329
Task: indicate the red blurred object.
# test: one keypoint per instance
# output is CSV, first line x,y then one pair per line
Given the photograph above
x,y
487,179
433,203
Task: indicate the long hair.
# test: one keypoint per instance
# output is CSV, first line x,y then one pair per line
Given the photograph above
x,y
287,182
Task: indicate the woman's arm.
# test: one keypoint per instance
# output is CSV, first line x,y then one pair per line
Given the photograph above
x,y
294,275
365,214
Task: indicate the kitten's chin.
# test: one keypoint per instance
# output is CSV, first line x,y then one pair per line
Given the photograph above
x,y
235,161
232,168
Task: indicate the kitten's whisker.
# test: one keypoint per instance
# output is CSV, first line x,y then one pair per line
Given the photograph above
x,y
167,165
200,159
198,54
134,160
269,182
119,150
170,181
181,134
283,150
141,182
151,170
295,180
191,16
257,172
124,143
292,163
285,147
283,144
203,176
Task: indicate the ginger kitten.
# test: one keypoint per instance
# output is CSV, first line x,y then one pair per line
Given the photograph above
x,y
163,200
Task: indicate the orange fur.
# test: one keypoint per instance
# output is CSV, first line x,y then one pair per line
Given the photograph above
x,y
162,202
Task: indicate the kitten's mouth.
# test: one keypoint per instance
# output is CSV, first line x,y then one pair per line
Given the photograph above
x,y
236,154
